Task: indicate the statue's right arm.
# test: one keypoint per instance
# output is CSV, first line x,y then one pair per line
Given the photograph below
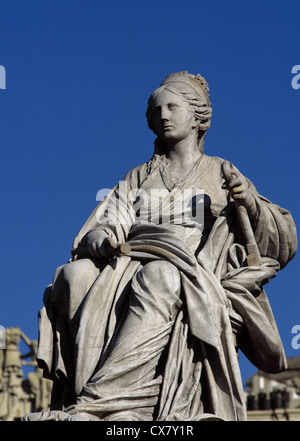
x,y
98,243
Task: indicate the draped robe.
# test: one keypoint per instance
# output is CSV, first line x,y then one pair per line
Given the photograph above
x,y
199,374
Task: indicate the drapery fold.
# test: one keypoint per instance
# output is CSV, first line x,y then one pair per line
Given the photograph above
x,y
201,377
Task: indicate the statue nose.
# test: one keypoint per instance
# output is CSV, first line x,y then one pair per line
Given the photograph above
x,y
164,115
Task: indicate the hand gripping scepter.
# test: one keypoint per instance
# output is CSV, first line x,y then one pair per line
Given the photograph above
x,y
115,250
253,258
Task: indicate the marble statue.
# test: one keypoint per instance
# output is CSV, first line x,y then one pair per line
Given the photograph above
x,y
166,283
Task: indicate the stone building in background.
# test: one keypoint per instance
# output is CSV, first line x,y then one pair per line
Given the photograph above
x,y
275,396
20,395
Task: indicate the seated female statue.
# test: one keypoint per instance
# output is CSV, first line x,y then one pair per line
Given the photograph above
x,y
151,331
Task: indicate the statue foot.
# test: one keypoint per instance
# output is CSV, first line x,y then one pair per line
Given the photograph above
x,y
53,415
59,415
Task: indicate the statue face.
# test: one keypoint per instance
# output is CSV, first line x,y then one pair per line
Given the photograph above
x,y
172,119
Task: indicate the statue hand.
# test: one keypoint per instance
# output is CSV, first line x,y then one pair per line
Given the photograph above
x,y
99,244
239,190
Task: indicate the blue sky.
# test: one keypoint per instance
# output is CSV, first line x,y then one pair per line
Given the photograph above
x,y
72,119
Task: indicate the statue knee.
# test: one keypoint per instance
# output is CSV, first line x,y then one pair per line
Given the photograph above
x,y
71,284
157,287
160,270
161,276
78,273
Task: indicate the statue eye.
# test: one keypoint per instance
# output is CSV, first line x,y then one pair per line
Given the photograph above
x,y
171,106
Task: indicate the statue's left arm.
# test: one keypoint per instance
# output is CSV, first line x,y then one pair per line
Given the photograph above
x,y
274,231
274,228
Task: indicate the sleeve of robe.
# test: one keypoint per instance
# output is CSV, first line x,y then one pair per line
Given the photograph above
x,y
275,232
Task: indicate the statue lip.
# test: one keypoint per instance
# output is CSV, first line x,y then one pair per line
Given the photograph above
x,y
168,126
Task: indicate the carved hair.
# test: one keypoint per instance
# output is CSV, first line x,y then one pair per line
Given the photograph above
x,y
199,105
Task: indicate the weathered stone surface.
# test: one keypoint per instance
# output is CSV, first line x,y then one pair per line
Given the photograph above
x,y
151,333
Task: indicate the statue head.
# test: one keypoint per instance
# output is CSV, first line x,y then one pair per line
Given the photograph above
x,y
194,91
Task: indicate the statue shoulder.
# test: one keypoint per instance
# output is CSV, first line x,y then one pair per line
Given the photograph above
x,y
213,160
137,175
214,164
218,164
